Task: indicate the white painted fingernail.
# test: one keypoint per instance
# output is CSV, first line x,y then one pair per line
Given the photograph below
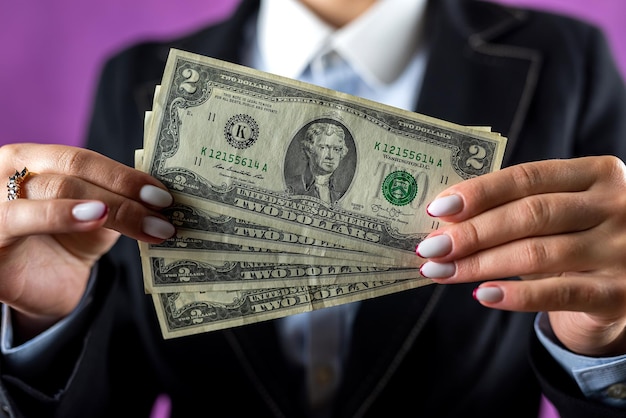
x,y
434,270
157,227
89,211
435,246
489,294
155,196
444,206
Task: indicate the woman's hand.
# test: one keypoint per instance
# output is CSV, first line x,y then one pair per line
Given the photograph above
x,y
558,224
70,212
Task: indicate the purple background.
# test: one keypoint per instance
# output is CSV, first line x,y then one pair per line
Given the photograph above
x,y
54,48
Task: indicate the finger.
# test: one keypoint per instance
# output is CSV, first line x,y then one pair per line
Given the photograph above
x,y
533,216
479,194
21,218
542,255
126,216
579,293
89,166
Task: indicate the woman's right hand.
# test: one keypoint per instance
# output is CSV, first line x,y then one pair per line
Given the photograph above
x,y
70,212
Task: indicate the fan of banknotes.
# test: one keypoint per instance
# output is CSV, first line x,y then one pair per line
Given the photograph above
x,y
289,197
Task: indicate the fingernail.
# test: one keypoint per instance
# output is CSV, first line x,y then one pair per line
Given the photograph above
x,y
157,227
155,196
434,247
444,206
489,294
89,211
434,270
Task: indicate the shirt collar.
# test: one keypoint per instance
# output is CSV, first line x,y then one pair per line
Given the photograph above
x,y
291,36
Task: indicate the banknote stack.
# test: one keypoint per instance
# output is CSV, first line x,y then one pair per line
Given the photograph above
x,y
289,197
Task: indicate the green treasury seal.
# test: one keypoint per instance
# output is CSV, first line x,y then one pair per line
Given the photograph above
x,y
399,188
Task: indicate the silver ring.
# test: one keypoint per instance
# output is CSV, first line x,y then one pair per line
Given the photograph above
x,y
14,186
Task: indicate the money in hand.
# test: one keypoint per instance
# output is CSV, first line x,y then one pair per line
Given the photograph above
x,y
303,176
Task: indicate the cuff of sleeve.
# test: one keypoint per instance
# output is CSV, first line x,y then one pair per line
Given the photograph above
x,y
601,378
29,358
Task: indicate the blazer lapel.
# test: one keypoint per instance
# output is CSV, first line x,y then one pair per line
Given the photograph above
x,y
470,78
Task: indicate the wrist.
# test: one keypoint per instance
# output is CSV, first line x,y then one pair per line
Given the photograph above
x,y
585,335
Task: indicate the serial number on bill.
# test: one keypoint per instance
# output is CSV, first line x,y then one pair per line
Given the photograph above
x,y
407,154
229,157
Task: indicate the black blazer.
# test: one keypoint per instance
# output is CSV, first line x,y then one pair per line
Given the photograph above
x,y
546,82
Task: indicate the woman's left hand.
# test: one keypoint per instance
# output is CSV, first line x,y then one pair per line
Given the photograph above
x,y
561,226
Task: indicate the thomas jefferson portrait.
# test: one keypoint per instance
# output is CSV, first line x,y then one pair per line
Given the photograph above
x,y
321,161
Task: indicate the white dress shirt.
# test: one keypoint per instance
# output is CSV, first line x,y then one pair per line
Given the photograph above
x,y
382,46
